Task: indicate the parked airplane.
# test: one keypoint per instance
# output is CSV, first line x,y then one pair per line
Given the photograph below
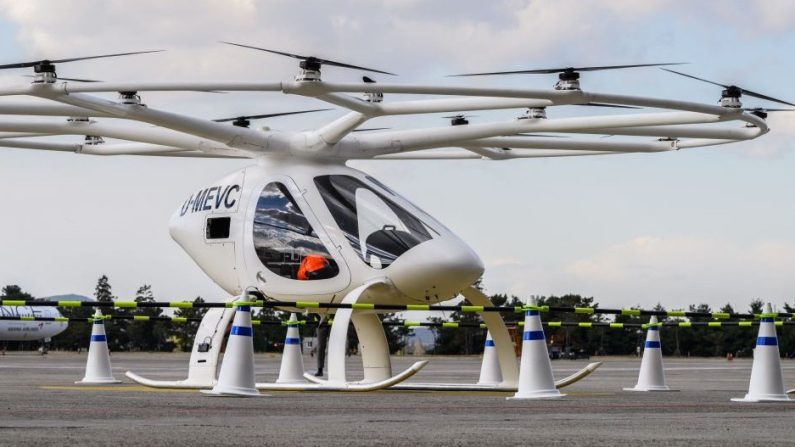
x,y
21,330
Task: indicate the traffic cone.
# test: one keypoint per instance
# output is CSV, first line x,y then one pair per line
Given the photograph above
x,y
652,374
98,370
767,383
490,372
237,370
292,367
535,370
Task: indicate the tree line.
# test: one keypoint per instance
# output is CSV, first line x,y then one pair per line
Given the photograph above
x,y
154,336
164,336
694,341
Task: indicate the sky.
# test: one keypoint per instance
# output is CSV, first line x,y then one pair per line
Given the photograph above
x,y
711,225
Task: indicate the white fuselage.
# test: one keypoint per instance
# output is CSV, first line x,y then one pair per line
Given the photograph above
x,y
20,330
269,224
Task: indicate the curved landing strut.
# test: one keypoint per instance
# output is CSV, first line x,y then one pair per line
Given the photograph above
x,y
323,385
505,355
375,354
203,366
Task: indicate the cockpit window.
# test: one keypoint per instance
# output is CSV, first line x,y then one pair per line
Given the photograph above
x,y
377,228
285,241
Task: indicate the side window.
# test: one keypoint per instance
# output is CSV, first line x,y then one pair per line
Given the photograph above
x,y
218,227
284,240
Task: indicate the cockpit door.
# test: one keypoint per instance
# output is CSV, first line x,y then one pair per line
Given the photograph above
x,y
287,247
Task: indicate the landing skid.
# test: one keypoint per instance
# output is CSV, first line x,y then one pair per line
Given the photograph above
x,y
203,366
323,385
570,380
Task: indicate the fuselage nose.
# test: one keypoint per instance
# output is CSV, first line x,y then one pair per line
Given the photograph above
x,y
436,270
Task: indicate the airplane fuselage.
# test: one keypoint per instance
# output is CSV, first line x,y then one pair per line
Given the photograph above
x,y
20,330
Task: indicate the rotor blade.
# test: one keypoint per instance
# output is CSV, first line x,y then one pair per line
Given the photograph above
x,y
355,67
458,116
268,115
768,98
321,60
69,79
693,77
745,92
77,80
762,109
58,61
618,67
561,70
282,53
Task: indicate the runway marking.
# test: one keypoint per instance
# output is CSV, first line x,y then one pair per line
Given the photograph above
x,y
122,388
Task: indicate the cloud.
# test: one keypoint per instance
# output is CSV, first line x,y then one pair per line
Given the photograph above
x,y
688,269
675,271
779,141
416,39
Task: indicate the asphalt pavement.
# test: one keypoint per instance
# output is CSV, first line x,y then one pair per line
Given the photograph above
x,y
41,405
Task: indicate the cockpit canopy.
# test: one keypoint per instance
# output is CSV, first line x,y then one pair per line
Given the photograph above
x,y
378,229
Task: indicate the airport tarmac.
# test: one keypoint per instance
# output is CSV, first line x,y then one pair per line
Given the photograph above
x,y
41,405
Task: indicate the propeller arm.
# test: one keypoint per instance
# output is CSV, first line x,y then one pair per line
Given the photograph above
x,y
420,139
232,136
335,131
150,135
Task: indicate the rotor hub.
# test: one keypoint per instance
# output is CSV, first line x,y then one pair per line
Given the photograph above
x,y
568,80
44,73
44,66
130,98
534,113
308,75
241,122
93,140
310,70
730,97
310,63
374,97
459,121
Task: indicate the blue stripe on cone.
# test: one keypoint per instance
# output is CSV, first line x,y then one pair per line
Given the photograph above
x,y
489,343
533,335
292,341
98,338
241,330
767,341
653,344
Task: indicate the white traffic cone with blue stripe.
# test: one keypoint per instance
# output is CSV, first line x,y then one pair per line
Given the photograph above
x,y
237,370
490,372
652,373
292,367
767,382
535,370
98,369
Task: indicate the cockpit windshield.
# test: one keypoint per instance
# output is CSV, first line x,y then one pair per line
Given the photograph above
x,y
377,228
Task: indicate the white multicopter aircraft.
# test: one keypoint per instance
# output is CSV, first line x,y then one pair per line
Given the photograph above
x,y
21,330
298,224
